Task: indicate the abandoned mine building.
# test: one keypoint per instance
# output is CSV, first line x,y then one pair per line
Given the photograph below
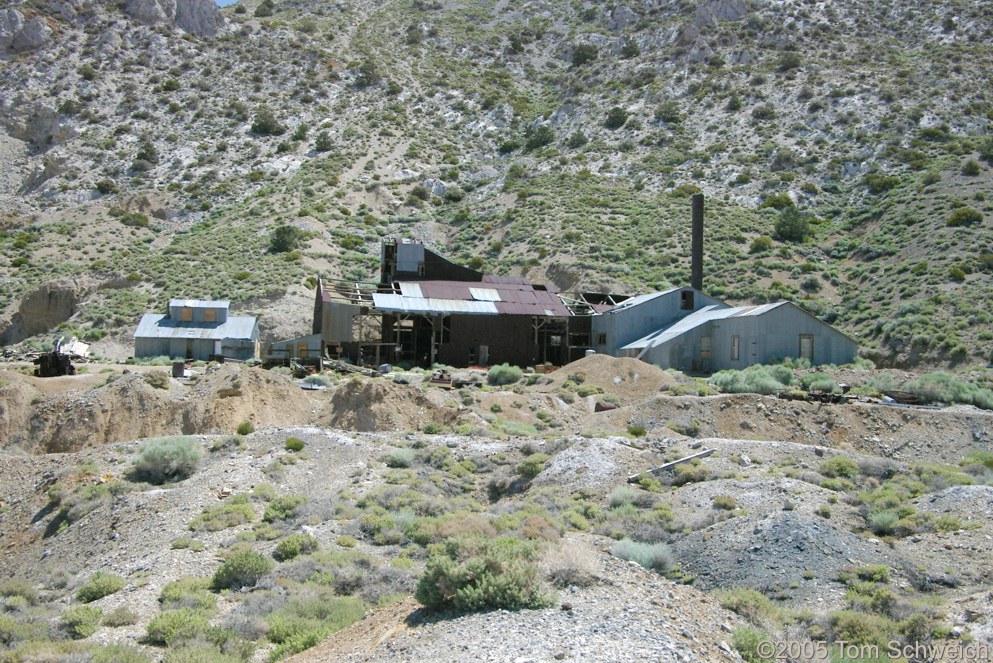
x,y
426,309
197,329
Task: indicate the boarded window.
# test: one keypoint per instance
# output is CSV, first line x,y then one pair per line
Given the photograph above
x,y
686,300
302,349
601,339
735,348
186,314
807,347
210,315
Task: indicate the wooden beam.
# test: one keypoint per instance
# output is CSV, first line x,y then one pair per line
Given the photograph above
x,y
662,468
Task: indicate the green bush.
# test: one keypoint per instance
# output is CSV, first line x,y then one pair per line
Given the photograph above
x,y
746,641
19,587
760,244
400,458
80,621
242,569
792,225
294,444
504,374
758,379
167,459
724,502
964,216
584,53
617,117
859,628
284,239
655,556
281,508
234,511
941,387
839,466
532,466
245,428
188,592
294,545
174,626
266,124
476,573
98,586
751,604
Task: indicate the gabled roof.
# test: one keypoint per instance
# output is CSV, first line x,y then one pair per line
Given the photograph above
x,y
158,325
494,295
697,318
638,300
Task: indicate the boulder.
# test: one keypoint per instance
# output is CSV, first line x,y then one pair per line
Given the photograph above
x,y
621,18
198,17
18,35
39,125
720,10
435,186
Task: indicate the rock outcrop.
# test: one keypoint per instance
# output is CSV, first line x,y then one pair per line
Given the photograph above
x,y
19,34
199,17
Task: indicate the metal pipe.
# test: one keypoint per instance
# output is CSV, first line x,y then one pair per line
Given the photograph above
x,y
696,259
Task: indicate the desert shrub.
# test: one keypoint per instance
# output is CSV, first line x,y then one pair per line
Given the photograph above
x,y
294,444
531,466
294,545
860,628
746,641
636,430
187,543
266,124
751,604
245,428
964,216
883,522
242,569
119,616
622,495
282,508
655,556
941,387
80,621
539,136
173,626
234,511
971,168
584,53
265,9
689,473
760,244
577,140
400,458
878,182
724,502
19,587
476,573
839,466
188,592
302,623
157,379
98,586
757,379
503,374
617,117
167,459
818,382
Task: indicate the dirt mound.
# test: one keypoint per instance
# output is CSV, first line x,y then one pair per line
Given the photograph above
x,y
595,464
126,409
228,395
386,406
629,379
788,553
965,502
16,397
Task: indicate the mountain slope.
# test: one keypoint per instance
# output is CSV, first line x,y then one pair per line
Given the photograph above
x,y
556,140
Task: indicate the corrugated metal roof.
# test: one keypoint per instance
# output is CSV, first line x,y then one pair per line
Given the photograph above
x,y
430,305
485,294
199,303
158,325
695,319
506,295
637,300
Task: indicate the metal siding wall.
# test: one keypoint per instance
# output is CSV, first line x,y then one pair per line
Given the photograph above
x,y
509,338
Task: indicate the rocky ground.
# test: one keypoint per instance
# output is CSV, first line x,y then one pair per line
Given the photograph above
x,y
758,513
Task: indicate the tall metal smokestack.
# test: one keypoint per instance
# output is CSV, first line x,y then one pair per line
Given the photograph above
x,y
696,259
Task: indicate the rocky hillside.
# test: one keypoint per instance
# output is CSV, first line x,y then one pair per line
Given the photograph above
x,y
805,522
150,148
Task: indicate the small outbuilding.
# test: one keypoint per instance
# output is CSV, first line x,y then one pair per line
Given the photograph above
x,y
197,329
